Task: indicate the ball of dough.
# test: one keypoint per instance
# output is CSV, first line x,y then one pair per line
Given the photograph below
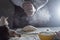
x,y
29,28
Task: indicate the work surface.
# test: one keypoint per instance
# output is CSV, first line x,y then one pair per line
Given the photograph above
x,y
33,35
53,29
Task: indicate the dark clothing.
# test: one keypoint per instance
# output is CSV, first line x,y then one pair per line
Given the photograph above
x,y
4,34
19,20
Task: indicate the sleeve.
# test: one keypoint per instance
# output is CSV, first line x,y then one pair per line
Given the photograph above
x,y
17,2
40,3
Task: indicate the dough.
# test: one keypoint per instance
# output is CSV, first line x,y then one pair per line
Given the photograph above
x,y
29,28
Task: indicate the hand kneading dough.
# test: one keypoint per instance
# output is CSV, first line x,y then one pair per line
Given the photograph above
x,y
29,28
